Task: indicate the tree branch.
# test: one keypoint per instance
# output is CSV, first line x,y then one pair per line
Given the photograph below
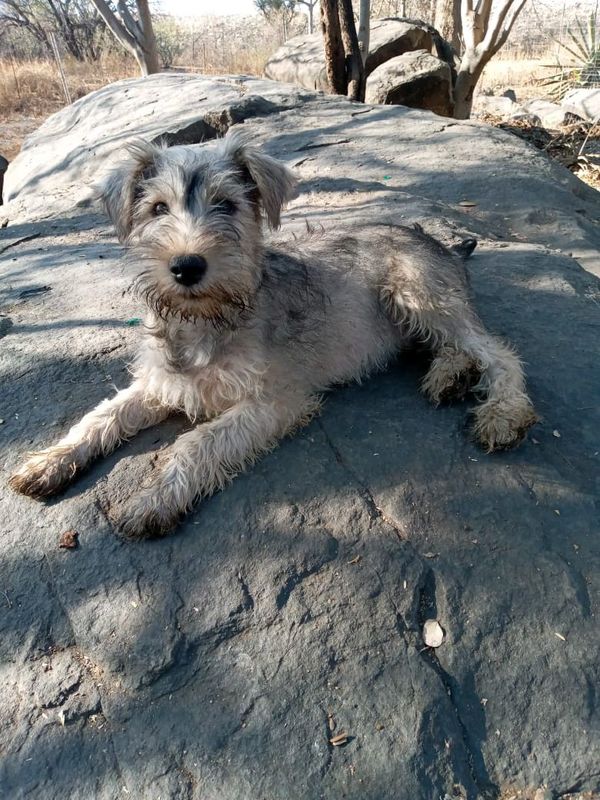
x,y
484,15
117,27
468,24
495,27
128,21
508,26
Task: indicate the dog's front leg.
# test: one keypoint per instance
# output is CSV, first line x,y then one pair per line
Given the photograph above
x,y
204,459
48,471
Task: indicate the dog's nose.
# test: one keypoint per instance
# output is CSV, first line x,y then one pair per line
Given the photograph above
x,y
188,270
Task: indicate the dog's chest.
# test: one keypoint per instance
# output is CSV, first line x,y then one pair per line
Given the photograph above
x,y
205,374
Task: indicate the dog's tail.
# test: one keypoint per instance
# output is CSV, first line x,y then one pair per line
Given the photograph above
x,y
465,248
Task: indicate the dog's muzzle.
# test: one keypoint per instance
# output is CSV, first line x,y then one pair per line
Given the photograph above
x,y
188,270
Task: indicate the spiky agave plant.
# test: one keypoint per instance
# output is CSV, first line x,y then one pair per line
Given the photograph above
x,y
584,70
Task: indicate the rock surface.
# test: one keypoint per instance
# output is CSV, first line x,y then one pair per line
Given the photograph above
x,y
218,663
500,106
584,103
301,59
71,148
549,115
416,80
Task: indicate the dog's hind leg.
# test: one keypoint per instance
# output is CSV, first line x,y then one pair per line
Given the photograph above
x,y
506,413
48,471
426,292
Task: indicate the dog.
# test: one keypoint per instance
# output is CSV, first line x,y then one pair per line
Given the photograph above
x,y
245,337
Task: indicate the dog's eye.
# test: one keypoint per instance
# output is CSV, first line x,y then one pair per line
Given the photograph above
x,y
225,207
160,209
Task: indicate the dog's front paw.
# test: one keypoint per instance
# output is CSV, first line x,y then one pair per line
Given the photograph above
x,y
45,473
500,425
144,517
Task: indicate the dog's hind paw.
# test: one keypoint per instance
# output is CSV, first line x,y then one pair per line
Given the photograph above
x,y
500,425
451,376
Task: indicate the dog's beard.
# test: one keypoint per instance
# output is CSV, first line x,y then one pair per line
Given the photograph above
x,y
217,305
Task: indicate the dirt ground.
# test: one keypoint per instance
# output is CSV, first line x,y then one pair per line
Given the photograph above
x,y
14,129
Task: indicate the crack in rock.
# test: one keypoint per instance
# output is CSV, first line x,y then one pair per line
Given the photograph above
x,y
375,512
474,758
295,578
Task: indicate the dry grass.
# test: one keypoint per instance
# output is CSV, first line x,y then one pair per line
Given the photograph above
x,y
30,92
522,75
234,61
34,88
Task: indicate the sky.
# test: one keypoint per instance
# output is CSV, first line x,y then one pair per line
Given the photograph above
x,y
204,8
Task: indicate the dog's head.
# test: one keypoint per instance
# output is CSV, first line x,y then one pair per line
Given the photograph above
x,y
192,219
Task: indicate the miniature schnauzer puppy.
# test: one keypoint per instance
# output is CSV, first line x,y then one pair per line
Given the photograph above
x,y
244,337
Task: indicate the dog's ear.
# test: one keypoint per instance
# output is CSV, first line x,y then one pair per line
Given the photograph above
x,y
275,183
121,186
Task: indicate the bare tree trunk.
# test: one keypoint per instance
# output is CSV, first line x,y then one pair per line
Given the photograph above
x,y
61,71
149,40
448,22
485,28
464,87
354,62
310,6
335,62
364,28
136,37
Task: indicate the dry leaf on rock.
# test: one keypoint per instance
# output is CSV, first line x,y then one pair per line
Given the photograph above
x,y
68,540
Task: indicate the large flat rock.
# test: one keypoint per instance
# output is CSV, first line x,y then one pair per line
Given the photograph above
x,y
213,664
68,150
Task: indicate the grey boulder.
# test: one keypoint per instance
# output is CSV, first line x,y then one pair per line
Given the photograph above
x,y
66,156
218,663
549,115
584,103
301,60
417,79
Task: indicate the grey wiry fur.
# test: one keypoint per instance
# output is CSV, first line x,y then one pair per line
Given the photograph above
x,y
247,351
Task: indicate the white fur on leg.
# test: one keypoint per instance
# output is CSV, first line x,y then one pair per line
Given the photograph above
x,y
507,413
205,459
48,471
451,374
